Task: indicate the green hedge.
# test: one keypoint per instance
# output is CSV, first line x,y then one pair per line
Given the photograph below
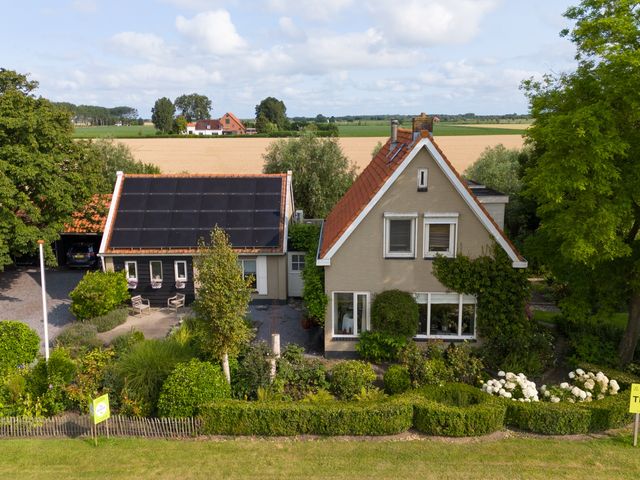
x,y
610,412
237,417
456,410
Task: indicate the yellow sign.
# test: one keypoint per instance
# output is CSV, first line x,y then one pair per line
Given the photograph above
x,y
99,409
634,401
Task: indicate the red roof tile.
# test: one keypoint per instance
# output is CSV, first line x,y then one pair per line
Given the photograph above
x,y
92,218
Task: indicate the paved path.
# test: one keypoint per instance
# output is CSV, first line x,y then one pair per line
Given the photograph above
x,y
156,324
285,320
20,298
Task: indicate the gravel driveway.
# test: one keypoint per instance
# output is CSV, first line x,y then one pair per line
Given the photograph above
x,y
21,298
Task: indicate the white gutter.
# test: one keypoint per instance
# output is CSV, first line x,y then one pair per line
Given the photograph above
x,y
110,216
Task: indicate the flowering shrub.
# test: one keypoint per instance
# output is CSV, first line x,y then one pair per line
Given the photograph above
x,y
510,385
584,387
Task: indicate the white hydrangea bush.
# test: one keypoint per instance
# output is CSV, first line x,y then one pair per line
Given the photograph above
x,y
583,387
509,385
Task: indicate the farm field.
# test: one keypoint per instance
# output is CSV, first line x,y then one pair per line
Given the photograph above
x,y
496,458
112,131
244,155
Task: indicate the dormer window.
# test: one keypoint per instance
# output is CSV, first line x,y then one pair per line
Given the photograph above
x,y
423,176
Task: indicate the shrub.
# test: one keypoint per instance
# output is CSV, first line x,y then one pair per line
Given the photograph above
x,y
19,345
465,366
512,386
397,379
624,379
548,418
611,412
456,410
125,342
144,369
396,313
89,379
253,372
47,381
110,320
298,375
426,367
380,347
235,417
78,337
98,293
350,377
189,386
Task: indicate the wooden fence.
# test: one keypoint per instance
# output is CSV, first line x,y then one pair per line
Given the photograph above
x,y
73,425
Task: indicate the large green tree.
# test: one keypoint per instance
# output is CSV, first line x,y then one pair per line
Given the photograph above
x,y
223,298
162,115
193,106
585,174
272,110
44,174
321,172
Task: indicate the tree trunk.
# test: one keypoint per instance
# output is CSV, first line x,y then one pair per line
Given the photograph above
x,y
632,332
225,367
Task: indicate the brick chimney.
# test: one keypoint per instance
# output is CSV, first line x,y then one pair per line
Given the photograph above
x,y
422,123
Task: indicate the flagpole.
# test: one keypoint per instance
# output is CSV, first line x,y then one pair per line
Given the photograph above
x,y
44,302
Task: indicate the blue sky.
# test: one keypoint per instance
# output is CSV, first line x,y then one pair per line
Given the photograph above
x,y
335,57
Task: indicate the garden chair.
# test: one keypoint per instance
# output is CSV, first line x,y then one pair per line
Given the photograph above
x,y
176,302
140,304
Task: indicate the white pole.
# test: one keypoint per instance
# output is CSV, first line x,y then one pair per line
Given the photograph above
x,y
44,302
635,430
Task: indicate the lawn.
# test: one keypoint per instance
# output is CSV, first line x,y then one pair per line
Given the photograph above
x,y
610,458
619,319
111,131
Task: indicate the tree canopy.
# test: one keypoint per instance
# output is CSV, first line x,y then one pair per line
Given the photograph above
x,y
44,174
585,170
193,106
273,111
321,172
162,115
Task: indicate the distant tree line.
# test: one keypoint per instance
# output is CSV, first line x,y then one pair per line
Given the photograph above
x,y
95,115
191,107
444,117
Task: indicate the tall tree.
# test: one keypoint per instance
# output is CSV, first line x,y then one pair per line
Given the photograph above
x,y
274,111
586,168
223,298
193,106
321,172
162,115
44,175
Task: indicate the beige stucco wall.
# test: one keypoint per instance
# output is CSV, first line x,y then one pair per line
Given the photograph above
x,y
359,265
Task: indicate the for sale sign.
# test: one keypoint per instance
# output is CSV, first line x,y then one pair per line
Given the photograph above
x,y
99,409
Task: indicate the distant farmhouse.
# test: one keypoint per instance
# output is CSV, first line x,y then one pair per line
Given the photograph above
x,y
228,124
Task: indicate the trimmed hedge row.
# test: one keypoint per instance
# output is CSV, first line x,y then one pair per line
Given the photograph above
x,y
457,410
237,417
569,418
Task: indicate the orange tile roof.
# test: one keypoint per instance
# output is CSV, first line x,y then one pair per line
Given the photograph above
x,y
371,180
92,218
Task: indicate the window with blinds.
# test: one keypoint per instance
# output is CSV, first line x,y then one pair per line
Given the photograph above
x,y
400,236
440,235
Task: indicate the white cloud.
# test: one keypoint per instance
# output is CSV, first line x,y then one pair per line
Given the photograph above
x,y
310,9
84,6
150,75
145,45
212,32
290,29
430,22
199,4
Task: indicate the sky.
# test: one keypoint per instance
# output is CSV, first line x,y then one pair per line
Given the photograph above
x,y
335,57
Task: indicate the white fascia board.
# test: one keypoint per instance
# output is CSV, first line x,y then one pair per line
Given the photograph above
x,y
426,143
287,214
372,203
112,211
493,198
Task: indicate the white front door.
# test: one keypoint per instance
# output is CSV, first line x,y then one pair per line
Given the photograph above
x,y
295,283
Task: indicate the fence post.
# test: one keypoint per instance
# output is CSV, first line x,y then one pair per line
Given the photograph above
x,y
275,347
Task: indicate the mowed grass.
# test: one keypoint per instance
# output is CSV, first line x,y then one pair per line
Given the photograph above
x,y
111,131
531,458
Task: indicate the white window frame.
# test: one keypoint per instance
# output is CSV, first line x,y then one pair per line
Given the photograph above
x,y
462,300
244,274
367,324
423,179
388,217
126,270
450,219
175,270
151,271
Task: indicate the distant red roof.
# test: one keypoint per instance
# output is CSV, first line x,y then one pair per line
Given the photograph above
x,y
92,218
208,125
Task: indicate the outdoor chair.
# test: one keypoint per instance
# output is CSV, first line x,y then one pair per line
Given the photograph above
x,y
176,302
140,304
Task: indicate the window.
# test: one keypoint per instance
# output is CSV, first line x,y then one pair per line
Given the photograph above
x,y
180,268
297,262
400,235
350,313
440,235
423,175
227,121
446,315
131,270
155,268
249,270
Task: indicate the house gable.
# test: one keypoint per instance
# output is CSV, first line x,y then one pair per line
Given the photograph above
x,y
365,194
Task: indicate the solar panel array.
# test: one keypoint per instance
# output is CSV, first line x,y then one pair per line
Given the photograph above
x,y
174,212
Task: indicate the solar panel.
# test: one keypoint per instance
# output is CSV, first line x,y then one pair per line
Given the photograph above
x,y
174,212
